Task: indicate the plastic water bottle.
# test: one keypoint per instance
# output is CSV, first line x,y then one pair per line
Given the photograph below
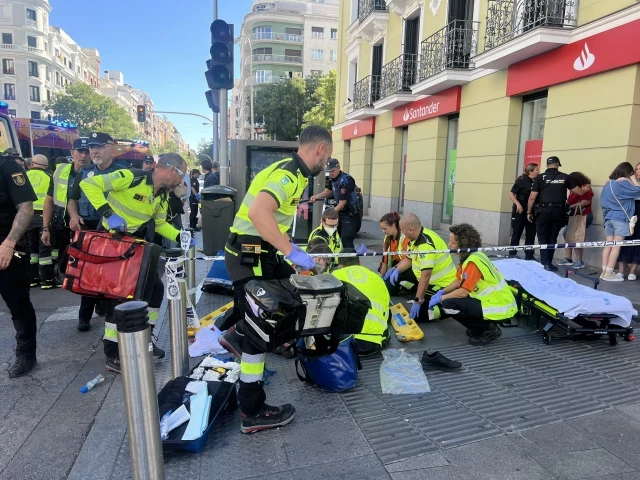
x,y
92,383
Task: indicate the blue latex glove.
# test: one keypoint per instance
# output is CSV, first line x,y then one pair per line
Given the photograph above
x,y
301,258
415,310
198,197
192,243
436,299
361,249
116,222
392,275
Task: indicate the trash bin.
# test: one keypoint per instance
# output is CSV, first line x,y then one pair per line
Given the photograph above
x,y
217,210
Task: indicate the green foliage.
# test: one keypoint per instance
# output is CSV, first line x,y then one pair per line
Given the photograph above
x,y
92,112
324,99
205,147
168,147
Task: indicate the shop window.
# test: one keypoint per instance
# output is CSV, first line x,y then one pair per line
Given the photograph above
x,y
534,113
450,169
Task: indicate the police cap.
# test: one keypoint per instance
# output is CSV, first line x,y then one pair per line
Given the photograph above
x,y
553,160
12,152
81,143
332,164
148,159
98,138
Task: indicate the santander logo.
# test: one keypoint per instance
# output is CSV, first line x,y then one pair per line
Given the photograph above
x,y
419,112
355,131
405,117
585,60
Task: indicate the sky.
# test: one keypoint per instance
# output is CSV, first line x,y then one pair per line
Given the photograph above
x,y
160,46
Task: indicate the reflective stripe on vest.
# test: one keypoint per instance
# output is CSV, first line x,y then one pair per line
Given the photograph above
x,y
85,209
498,303
334,241
61,185
373,287
39,180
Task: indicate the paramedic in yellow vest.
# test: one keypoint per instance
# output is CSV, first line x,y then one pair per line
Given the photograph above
x,y
433,271
135,197
59,235
328,231
479,297
41,263
375,333
258,233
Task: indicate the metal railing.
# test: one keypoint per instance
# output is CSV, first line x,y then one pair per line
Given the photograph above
x,y
451,47
367,7
267,58
399,74
366,92
277,37
507,19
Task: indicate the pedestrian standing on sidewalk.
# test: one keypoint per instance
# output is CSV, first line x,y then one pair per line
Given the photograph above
x,y
579,205
194,199
16,211
631,255
519,195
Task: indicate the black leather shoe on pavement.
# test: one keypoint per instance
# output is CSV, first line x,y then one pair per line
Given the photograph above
x,y
113,365
487,337
436,359
551,268
269,417
231,341
22,366
84,325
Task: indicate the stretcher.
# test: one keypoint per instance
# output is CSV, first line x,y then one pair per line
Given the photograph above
x,y
576,318
406,328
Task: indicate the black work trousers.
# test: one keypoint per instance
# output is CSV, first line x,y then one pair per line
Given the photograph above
x,y
549,222
519,224
193,214
271,266
468,312
41,263
406,276
14,289
87,307
347,228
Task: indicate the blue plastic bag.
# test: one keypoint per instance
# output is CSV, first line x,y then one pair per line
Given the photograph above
x,y
336,372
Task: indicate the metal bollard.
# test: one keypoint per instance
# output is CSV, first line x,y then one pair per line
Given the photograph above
x,y
177,296
140,395
191,275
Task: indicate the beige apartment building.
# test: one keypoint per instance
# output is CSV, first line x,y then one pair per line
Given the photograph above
x,y
441,103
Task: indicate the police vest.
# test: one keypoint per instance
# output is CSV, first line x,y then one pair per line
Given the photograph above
x,y
284,181
40,181
372,286
492,290
333,241
85,208
342,182
61,185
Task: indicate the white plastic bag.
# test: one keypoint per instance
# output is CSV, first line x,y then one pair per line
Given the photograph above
x,y
401,373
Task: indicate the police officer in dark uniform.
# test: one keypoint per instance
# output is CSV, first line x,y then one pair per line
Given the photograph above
x,y
519,195
16,211
549,194
343,189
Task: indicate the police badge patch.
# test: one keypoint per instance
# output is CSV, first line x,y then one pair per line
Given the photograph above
x,y
18,179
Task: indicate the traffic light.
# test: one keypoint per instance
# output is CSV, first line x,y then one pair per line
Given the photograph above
x,y
213,99
142,113
219,72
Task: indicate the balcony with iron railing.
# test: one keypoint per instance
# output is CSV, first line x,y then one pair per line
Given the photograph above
x,y
268,58
445,57
367,7
371,21
519,29
396,80
276,37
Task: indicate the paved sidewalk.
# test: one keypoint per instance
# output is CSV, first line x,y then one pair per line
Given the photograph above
x,y
518,410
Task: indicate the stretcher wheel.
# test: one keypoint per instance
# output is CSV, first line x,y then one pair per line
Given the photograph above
x,y
613,339
546,338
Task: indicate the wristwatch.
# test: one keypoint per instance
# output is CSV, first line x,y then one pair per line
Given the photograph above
x,y
107,213
418,300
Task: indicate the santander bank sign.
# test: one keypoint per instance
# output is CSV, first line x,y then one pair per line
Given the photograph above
x,y
442,103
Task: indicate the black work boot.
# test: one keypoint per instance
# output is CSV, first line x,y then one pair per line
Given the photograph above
x,y
84,325
493,333
269,417
22,366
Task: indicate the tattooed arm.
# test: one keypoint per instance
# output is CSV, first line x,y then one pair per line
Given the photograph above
x,y
20,223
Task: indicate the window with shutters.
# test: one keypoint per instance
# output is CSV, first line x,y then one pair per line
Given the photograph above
x,y
317,32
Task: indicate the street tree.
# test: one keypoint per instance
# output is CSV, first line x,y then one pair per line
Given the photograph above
x,y
205,147
281,106
168,147
322,111
81,104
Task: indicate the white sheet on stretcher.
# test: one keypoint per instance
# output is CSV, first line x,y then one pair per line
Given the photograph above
x,y
565,295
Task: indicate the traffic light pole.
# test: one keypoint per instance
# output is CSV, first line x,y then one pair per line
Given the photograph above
x,y
216,138
224,134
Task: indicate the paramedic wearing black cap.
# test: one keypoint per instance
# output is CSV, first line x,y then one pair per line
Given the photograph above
x,y
549,194
343,189
148,163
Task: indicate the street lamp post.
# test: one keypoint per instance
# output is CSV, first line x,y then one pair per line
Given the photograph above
x,y
252,137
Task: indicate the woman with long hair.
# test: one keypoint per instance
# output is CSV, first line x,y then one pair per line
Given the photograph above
x,y
519,195
631,255
395,241
618,209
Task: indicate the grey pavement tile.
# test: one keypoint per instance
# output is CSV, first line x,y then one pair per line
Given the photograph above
x,y
323,441
418,462
583,464
632,410
275,476
617,433
620,476
435,473
557,437
367,467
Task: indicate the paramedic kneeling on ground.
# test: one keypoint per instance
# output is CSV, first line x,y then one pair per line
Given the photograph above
x,y
257,235
479,297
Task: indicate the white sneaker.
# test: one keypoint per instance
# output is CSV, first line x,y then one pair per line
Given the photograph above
x,y
620,276
631,277
610,277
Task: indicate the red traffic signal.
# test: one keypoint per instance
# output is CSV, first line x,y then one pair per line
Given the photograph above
x,y
142,113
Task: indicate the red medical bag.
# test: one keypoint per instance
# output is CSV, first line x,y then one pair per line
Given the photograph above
x,y
104,265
